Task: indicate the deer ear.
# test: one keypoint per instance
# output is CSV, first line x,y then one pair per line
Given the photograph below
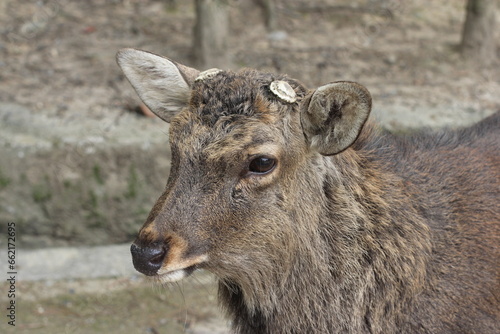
x,y
163,85
333,116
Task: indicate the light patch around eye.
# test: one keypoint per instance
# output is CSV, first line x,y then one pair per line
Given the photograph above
x,y
283,90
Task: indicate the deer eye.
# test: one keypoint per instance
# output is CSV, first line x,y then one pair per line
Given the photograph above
x,y
261,165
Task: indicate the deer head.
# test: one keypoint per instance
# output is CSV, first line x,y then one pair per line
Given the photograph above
x,y
244,183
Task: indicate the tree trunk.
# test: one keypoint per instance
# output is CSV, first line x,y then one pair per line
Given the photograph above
x,y
269,11
478,37
211,34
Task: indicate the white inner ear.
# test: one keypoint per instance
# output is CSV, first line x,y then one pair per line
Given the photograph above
x,y
157,80
283,90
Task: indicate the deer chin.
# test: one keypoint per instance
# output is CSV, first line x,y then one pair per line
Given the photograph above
x,y
174,273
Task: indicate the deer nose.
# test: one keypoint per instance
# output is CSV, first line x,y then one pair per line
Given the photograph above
x,y
148,259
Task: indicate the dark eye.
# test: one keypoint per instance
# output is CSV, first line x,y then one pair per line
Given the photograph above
x,y
262,165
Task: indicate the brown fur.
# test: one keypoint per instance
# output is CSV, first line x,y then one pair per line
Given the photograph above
x,y
392,235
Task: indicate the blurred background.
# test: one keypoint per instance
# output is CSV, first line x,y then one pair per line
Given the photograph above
x,y
82,161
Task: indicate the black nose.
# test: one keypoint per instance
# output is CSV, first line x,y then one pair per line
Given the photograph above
x,y
149,259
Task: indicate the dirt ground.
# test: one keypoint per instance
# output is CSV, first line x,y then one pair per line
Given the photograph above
x,y
120,305
57,58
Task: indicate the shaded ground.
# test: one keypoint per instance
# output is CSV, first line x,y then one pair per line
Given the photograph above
x,y
78,181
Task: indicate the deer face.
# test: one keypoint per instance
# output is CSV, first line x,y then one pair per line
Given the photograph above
x,y
243,149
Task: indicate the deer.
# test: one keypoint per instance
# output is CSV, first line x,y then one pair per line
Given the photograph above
x,y
311,217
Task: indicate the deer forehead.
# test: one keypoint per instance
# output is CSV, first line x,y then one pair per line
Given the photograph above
x,y
250,93
236,139
231,111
